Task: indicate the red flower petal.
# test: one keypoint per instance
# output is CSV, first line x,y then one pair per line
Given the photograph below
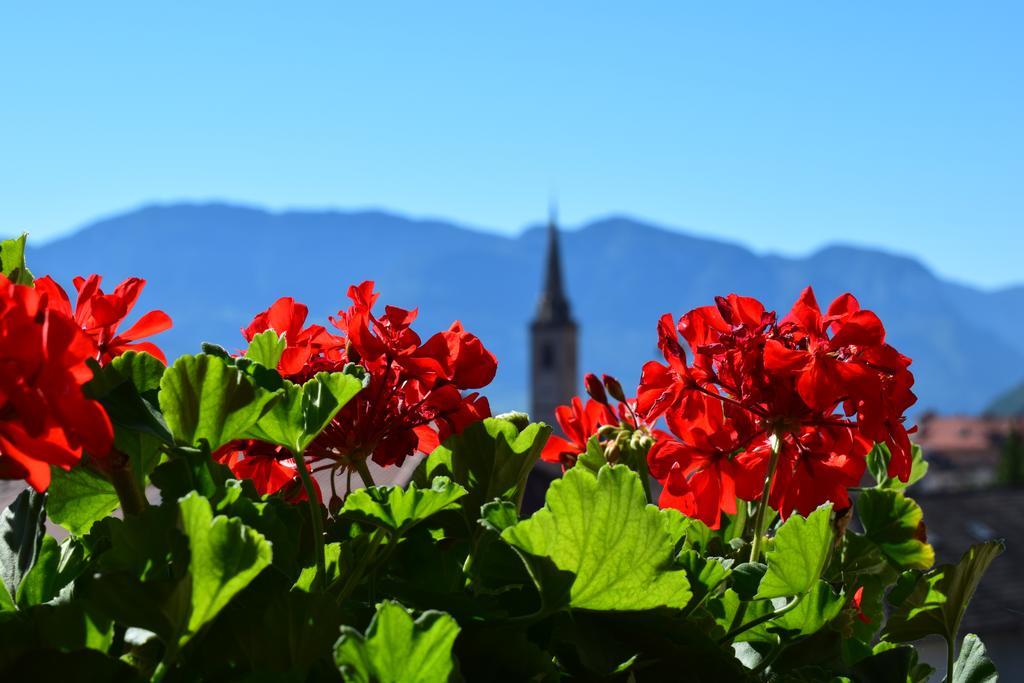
x,y
151,323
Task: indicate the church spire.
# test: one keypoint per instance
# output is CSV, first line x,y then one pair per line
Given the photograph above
x,y
553,339
553,306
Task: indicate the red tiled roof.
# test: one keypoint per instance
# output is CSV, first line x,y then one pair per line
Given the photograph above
x,y
953,435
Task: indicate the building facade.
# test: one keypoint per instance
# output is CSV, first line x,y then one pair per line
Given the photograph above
x,y
963,451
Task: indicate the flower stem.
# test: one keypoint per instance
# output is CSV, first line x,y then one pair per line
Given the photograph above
x,y
159,673
166,662
728,637
770,658
317,518
364,472
133,501
645,476
741,520
950,656
350,581
762,507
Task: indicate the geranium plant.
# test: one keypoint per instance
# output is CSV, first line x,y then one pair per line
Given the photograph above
x,y
743,517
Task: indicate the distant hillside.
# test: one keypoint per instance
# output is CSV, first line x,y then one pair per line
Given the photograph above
x,y
211,267
1009,403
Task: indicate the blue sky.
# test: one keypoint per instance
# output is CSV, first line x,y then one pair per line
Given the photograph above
x,y
784,126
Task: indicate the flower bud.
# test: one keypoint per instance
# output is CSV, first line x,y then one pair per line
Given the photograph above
x,y
641,441
518,419
594,388
614,388
613,450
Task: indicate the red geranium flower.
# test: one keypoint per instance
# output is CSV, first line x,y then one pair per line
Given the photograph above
x,y
579,422
699,470
826,386
818,465
414,396
45,419
672,385
676,492
856,601
854,366
100,315
307,349
270,468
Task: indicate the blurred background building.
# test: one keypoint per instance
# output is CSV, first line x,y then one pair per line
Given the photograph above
x,y
554,342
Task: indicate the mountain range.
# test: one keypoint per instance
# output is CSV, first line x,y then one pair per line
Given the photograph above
x,y
213,266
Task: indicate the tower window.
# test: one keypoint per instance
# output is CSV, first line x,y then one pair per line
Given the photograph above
x,y
547,356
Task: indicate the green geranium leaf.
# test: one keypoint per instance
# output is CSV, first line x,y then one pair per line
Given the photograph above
x,y
590,650
143,370
602,530
276,519
12,260
697,533
188,469
724,607
859,633
878,464
746,579
40,583
894,523
141,578
144,451
225,556
934,603
79,497
46,630
859,556
147,546
593,458
128,387
679,527
817,607
398,649
206,398
705,573
266,348
798,554
333,563
397,509
22,527
973,664
491,459
74,559
304,410
895,663
668,648
498,515
496,567
73,665
503,652
279,633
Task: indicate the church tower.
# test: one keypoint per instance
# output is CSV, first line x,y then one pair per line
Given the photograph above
x,y
553,332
